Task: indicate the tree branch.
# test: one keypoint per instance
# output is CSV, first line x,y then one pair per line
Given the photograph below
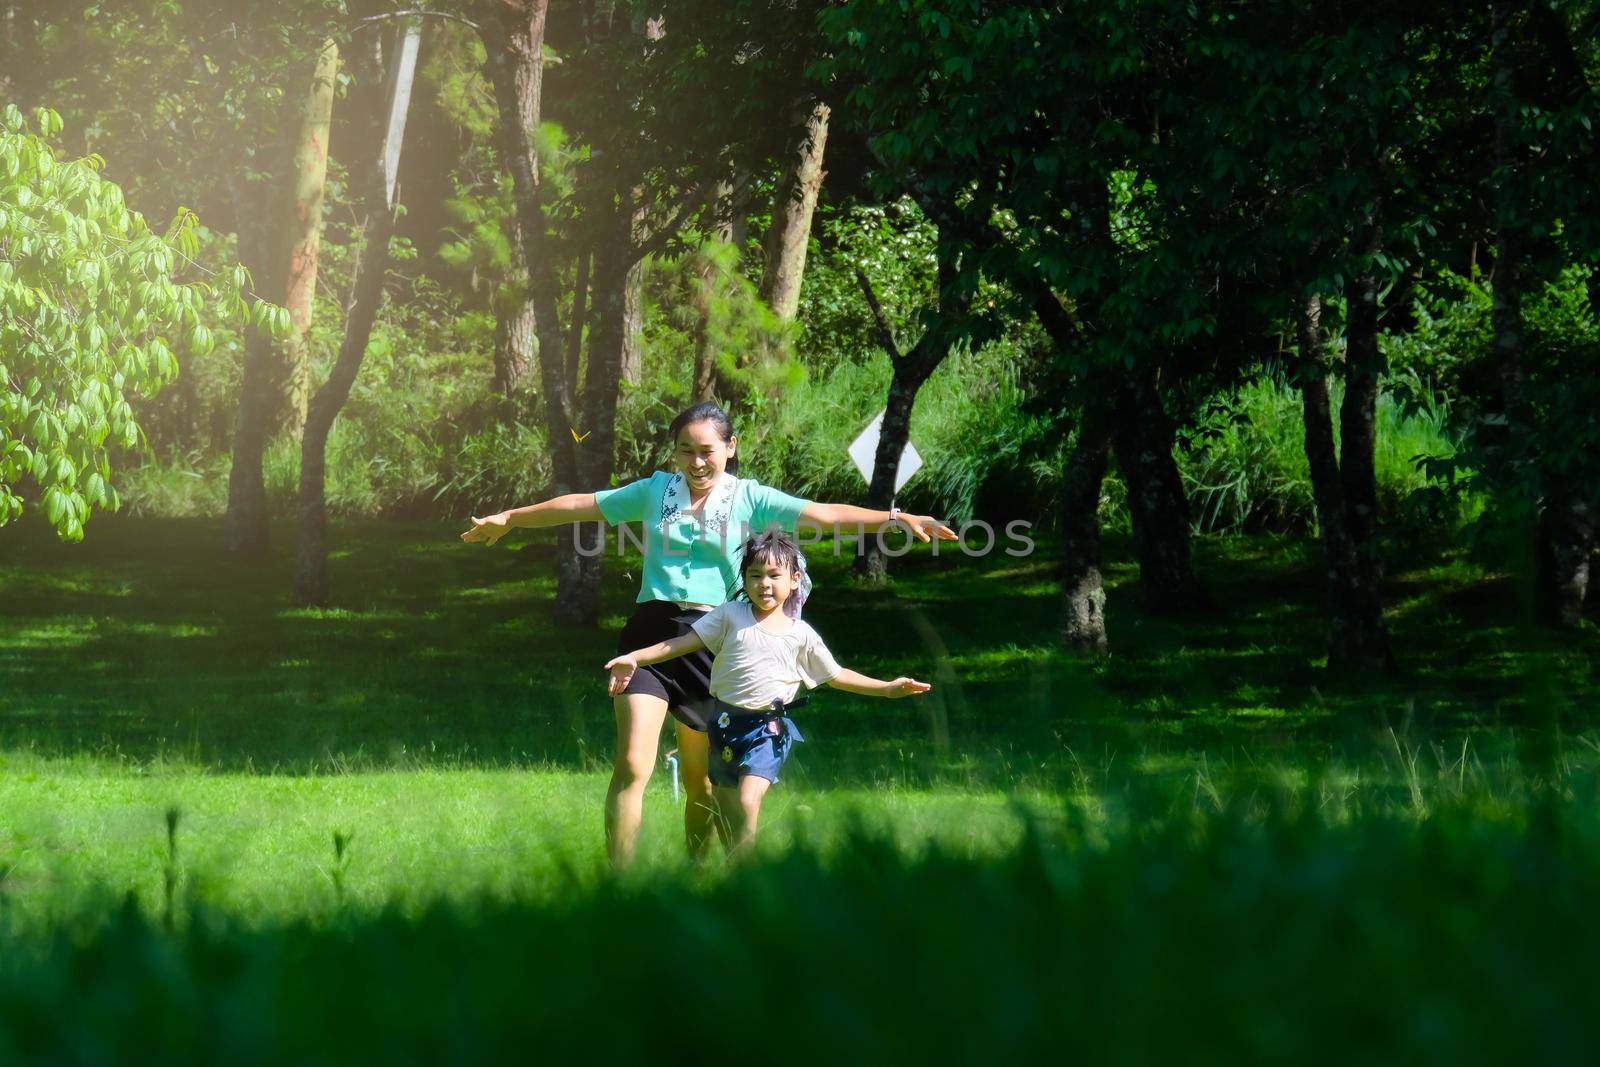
x,y
885,335
362,23
690,202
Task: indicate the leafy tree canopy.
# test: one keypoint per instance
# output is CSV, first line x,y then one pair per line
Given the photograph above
x,y
93,305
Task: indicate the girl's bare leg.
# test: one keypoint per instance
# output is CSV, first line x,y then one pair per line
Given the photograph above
x,y
639,719
742,808
700,809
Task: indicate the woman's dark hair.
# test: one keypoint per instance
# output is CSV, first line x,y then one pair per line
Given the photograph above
x,y
772,547
706,411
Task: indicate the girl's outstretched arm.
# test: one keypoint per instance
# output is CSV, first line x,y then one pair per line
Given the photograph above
x,y
622,667
574,507
829,516
854,682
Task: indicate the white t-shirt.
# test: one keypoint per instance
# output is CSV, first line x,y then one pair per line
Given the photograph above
x,y
753,665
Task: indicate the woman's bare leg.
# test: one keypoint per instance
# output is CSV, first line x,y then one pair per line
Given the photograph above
x,y
639,719
700,808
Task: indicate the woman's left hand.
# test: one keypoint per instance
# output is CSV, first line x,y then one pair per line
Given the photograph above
x,y
906,687
926,527
621,669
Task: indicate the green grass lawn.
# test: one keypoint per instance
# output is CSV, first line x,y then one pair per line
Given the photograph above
x,y
438,718
143,644
1199,847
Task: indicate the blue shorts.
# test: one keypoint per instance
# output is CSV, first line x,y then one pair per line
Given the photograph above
x,y
743,742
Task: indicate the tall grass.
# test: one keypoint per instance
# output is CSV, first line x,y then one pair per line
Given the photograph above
x,y
1245,467
968,426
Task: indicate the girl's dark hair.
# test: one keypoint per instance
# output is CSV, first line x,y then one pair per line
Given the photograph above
x,y
706,411
774,546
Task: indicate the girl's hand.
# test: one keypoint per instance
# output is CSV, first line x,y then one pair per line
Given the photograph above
x,y
489,529
621,669
906,687
926,527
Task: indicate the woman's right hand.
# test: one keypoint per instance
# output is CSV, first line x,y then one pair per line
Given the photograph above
x,y
489,529
621,669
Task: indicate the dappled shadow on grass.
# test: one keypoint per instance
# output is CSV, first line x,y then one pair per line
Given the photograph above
x,y
163,647
143,642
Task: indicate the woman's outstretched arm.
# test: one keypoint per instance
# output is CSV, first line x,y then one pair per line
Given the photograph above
x,y
834,516
574,507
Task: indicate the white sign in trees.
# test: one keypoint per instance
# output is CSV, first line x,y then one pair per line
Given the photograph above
x,y
864,453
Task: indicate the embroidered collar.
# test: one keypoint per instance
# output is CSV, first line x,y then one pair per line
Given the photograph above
x,y
715,513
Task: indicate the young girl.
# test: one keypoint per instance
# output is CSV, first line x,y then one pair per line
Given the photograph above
x,y
694,519
764,653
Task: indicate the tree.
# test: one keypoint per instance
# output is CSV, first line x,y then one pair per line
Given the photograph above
x,y
277,180
943,323
92,304
790,233
382,168
1545,102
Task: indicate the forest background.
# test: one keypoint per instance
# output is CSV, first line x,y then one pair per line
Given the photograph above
x,y
1355,300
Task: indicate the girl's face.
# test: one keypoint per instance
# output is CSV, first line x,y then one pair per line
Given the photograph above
x,y
702,455
769,584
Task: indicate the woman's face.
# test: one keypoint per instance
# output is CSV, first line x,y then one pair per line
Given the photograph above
x,y
702,455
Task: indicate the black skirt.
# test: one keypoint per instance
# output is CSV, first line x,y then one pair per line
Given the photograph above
x,y
684,683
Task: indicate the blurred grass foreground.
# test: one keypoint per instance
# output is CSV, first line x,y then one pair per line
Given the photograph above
x,y
1209,940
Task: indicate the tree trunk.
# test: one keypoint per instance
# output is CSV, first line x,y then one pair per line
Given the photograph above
x,y
579,573
1567,529
607,340
706,374
258,209
791,220
633,325
709,379
513,38
311,558
1357,637
303,228
1512,457
633,305
366,295
911,370
1358,420
1143,442
513,333
1083,596
244,528
580,320
871,563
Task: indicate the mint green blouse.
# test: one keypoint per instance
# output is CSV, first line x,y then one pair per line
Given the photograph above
x,y
689,558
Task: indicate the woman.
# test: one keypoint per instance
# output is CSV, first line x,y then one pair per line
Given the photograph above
x,y
695,521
